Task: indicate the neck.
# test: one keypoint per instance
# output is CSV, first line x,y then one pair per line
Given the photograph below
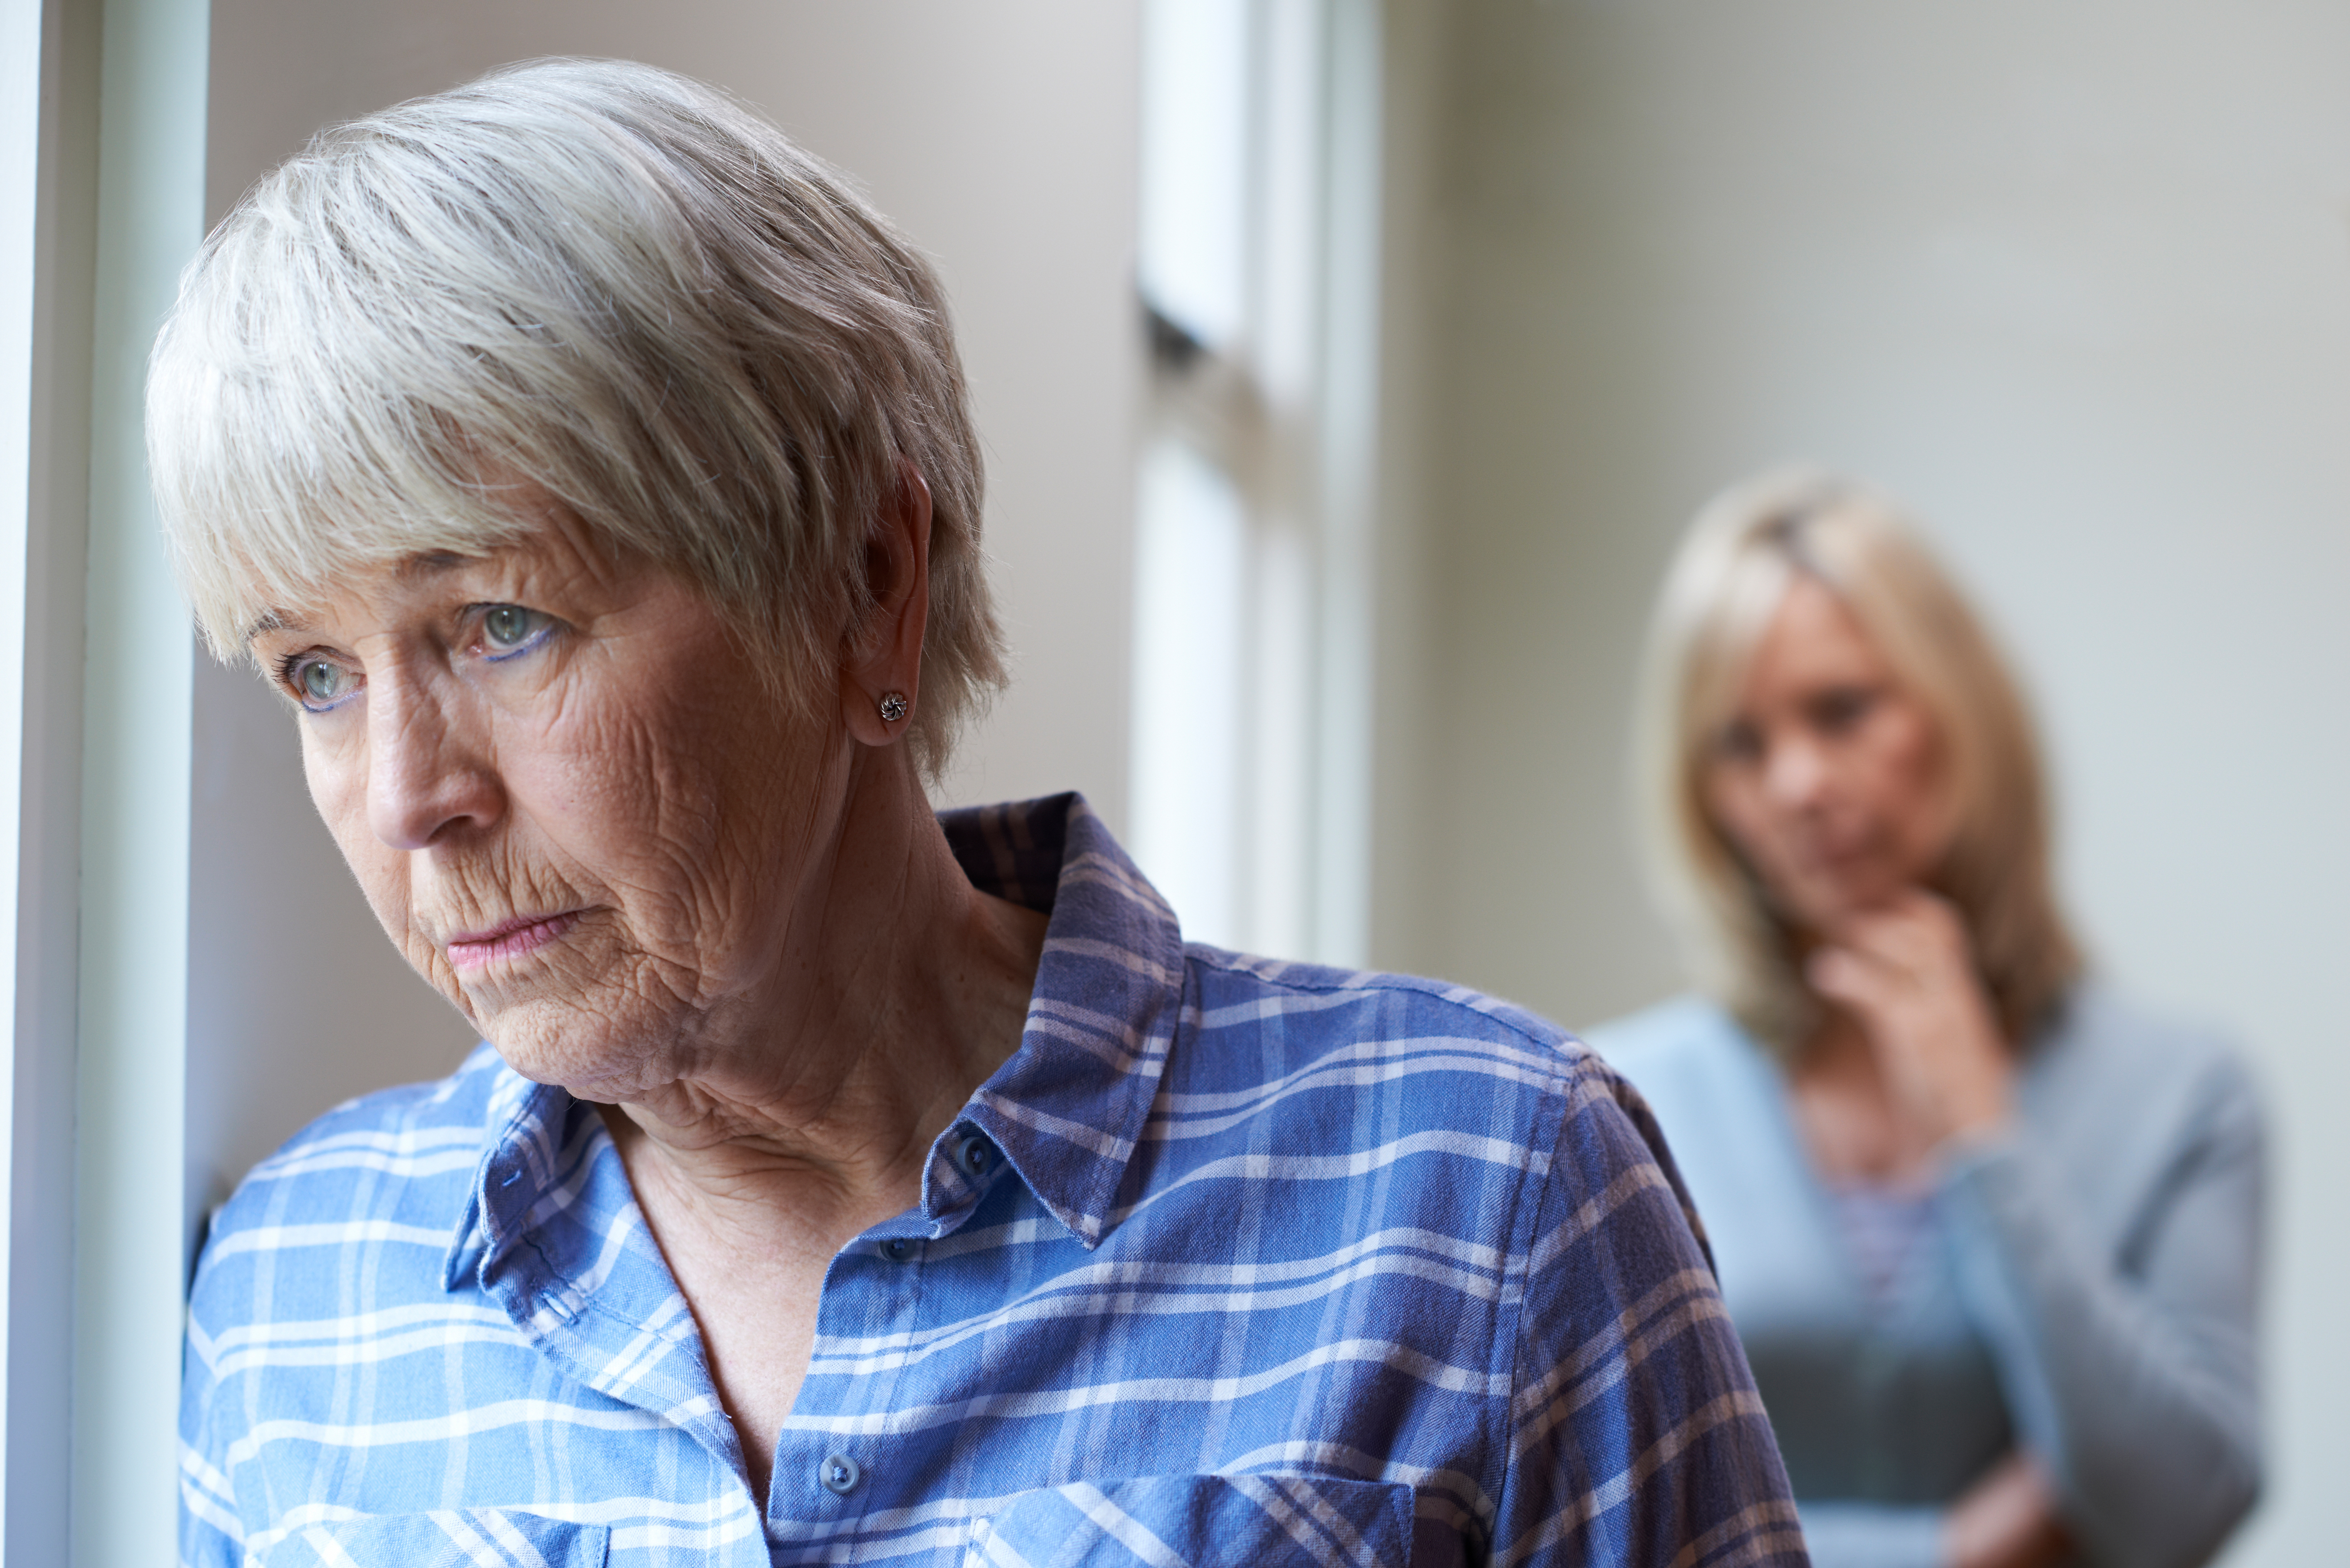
x,y
1852,1125
896,990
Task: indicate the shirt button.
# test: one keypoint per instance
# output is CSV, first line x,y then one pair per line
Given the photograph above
x,y
839,1474
897,1248
974,1155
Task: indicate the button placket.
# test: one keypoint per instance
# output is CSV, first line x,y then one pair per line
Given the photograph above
x,y
835,1466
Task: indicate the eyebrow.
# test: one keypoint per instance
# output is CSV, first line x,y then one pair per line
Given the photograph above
x,y
432,563
427,564
271,620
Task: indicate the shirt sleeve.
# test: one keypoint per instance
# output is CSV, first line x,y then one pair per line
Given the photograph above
x,y
2134,1379
1636,1435
211,1533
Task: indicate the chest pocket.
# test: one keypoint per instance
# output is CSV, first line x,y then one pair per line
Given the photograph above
x,y
448,1538
1199,1520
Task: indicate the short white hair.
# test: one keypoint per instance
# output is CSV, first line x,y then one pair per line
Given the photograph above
x,y
595,281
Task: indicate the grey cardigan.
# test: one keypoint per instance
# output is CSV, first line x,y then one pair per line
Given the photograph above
x,y
2093,1296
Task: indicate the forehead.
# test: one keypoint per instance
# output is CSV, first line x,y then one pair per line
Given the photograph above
x,y
1811,636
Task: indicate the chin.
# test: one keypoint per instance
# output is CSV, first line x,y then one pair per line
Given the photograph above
x,y
592,1052
1831,910
1821,903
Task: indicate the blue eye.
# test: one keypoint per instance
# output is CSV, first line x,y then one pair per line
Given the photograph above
x,y
508,629
1738,742
1843,708
318,683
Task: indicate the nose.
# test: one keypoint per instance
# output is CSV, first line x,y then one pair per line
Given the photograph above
x,y
429,777
1796,771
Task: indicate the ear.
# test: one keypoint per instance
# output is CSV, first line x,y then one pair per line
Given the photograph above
x,y
885,655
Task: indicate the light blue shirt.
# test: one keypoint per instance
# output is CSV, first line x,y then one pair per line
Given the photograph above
x,y
2087,1288
1234,1261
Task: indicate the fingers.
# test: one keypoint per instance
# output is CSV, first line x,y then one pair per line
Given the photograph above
x,y
1905,973
1917,936
1852,976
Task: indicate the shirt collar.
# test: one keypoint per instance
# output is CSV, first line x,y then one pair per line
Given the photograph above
x,y
1066,1109
1064,1112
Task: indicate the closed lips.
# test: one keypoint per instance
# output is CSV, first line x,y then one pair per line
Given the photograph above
x,y
511,940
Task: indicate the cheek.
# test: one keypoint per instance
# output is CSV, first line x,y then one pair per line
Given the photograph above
x,y
615,762
612,812
1736,803
650,797
1905,777
338,779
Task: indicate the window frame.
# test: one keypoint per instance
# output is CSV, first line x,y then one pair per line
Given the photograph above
x,y
101,203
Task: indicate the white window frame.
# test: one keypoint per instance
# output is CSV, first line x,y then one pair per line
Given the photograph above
x,y
1252,791
103,122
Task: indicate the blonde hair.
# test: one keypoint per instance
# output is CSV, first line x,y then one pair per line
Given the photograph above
x,y
615,286
1724,587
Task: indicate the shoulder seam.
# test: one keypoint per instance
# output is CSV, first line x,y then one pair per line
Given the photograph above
x,y
1444,994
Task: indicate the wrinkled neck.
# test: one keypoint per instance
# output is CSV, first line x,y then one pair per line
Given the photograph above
x,y
898,989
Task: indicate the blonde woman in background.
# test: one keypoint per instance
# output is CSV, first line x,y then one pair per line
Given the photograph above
x,y
1990,1234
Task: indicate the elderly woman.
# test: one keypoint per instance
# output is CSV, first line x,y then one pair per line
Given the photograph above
x,y
1990,1234
591,471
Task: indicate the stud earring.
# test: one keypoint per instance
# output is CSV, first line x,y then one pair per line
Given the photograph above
x,y
893,707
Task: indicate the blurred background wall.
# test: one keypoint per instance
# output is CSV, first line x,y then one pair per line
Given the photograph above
x,y
2072,277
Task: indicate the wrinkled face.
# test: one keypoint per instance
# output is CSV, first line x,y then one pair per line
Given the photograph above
x,y
1827,776
573,804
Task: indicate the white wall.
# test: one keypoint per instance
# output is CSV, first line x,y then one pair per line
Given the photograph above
x,y
1000,138
2072,278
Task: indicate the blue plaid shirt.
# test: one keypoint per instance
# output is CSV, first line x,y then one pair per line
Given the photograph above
x,y
1232,1261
